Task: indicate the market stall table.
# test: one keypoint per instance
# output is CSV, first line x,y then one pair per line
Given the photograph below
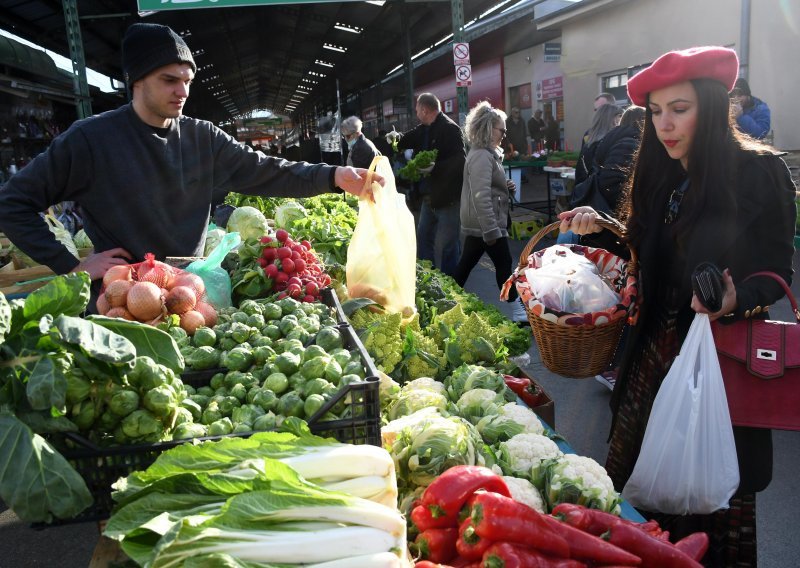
x,y
514,171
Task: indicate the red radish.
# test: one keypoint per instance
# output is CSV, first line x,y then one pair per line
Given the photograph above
x,y
288,265
284,252
281,235
262,262
116,293
281,277
268,254
312,289
282,295
119,272
208,312
102,305
180,299
145,301
309,298
120,313
299,265
306,244
271,271
152,270
191,320
294,280
191,280
265,239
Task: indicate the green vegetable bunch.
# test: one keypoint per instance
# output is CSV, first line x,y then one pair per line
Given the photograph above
x,y
416,167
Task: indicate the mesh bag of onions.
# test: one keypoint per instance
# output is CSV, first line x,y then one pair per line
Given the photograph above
x,y
151,291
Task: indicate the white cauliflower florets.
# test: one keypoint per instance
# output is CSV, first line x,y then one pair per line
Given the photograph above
x,y
425,383
476,396
523,416
585,476
523,491
524,452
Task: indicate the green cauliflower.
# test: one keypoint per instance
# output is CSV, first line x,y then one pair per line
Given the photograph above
x,y
381,336
421,356
578,479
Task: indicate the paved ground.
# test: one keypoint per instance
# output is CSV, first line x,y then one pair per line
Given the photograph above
x,y
582,417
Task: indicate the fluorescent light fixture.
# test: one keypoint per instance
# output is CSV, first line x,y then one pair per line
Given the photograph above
x,y
333,47
346,28
376,2
395,69
423,52
323,63
444,39
302,92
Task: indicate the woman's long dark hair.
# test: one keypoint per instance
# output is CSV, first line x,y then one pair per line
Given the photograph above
x,y
712,164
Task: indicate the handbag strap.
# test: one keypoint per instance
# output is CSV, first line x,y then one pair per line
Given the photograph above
x,y
783,284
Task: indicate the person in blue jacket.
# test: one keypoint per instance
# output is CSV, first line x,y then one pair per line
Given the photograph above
x,y
752,114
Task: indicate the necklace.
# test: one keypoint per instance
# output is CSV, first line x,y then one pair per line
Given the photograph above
x,y
674,204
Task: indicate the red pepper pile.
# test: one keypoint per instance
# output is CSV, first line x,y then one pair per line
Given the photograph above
x,y
530,393
467,519
292,267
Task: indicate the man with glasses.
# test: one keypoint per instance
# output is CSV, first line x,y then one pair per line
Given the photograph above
x,y
441,190
752,114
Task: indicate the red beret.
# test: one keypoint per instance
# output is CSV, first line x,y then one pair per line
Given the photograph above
x,y
718,63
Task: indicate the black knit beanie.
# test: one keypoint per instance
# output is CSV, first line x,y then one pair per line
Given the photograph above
x,y
742,86
147,47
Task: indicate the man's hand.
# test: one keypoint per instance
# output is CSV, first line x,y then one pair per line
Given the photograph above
x,y
354,181
98,264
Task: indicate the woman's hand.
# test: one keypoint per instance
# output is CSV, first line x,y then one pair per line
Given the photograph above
x,y
581,221
98,264
511,186
729,300
353,180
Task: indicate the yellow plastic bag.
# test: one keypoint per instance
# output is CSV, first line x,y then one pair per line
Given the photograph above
x,y
381,259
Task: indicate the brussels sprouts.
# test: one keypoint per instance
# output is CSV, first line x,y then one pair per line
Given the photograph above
x,y
297,382
315,386
265,422
299,334
240,332
277,383
238,359
239,392
315,367
260,341
288,305
107,421
84,413
265,399
187,430
189,390
329,338
330,390
212,413
227,405
250,307
313,403
242,428
203,358
256,320
141,424
146,374
78,386
182,416
227,343
233,378
218,380
287,324
272,311
290,404
263,354
194,407
354,368
333,371
341,356
238,317
295,346
123,402
313,351
179,335
271,331
310,324
287,363
161,400
221,427
246,414
204,337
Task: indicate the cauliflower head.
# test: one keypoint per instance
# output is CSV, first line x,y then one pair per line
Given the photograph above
x,y
523,491
425,383
579,479
523,455
524,416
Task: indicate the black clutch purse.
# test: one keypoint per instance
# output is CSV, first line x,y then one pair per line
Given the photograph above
x,y
707,285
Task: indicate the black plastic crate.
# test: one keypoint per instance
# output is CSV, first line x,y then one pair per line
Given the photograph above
x,y
330,299
100,467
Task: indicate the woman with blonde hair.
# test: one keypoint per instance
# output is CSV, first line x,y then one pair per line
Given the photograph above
x,y
485,195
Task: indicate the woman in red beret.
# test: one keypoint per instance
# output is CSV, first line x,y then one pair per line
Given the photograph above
x,y
699,191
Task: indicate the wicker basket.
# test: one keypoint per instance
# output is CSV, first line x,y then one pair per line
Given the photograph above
x,y
576,351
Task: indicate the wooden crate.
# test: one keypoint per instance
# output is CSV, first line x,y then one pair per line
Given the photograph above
x,y
10,278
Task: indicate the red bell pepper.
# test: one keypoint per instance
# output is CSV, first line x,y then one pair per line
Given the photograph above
x,y
448,492
437,545
594,521
470,545
507,555
694,546
423,519
499,518
429,564
589,548
655,553
530,393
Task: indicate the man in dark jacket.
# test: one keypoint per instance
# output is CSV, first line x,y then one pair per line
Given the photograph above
x,y
441,190
144,174
752,114
536,129
361,150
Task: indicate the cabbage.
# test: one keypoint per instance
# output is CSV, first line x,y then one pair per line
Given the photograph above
x,y
249,222
82,240
213,238
287,213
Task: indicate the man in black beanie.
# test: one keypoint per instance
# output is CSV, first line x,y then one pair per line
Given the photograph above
x,y
752,114
144,175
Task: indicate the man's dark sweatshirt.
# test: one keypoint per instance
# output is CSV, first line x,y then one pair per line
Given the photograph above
x,y
141,189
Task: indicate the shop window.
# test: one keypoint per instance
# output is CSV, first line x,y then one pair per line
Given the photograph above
x,y
616,84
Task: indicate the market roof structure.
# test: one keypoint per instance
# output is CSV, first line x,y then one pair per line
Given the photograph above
x,y
286,58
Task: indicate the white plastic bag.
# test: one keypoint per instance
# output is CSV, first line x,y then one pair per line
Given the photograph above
x,y
688,463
